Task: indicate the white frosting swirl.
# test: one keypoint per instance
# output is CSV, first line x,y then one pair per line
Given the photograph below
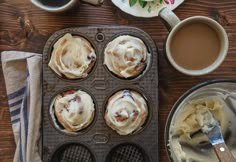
x,y
185,132
126,112
74,110
72,56
126,56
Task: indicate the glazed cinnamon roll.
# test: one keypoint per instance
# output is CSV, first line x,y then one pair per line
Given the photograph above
x,y
72,57
126,112
126,56
74,109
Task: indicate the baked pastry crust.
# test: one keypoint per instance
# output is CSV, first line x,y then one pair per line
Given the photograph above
x,y
72,57
74,110
126,56
126,112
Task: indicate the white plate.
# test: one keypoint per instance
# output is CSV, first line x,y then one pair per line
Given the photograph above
x,y
152,9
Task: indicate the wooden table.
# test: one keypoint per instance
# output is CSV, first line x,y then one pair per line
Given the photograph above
x,y
25,27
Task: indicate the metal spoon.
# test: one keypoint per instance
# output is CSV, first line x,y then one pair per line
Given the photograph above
x,y
211,128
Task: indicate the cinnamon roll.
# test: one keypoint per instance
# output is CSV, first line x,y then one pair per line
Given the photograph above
x,y
72,57
74,109
126,56
126,112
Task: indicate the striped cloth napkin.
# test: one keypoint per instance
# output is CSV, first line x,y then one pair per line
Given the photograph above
x,y
22,73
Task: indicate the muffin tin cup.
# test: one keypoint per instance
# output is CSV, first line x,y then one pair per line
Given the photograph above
x,y
56,123
146,98
72,152
99,138
148,63
127,152
53,39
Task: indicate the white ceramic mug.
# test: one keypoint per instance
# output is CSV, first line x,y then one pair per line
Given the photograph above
x,y
175,25
64,7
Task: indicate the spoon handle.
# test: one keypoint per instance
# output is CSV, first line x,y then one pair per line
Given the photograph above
x,y
223,153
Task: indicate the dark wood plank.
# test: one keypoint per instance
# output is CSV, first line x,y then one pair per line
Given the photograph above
x,y
25,27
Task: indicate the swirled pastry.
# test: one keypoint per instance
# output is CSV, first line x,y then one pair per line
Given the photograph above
x,y
72,57
126,56
74,109
126,112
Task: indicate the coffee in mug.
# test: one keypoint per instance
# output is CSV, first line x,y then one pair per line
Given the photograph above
x,y
61,5
54,3
196,45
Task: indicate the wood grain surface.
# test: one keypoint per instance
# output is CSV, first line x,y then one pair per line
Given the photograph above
x,y
224,155
26,28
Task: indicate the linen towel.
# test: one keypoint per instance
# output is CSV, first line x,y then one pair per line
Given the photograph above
x,y
22,73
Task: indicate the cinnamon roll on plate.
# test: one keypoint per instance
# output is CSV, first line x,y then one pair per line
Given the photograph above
x,y
72,57
126,56
126,112
74,110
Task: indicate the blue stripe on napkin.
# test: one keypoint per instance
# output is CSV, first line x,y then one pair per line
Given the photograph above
x,y
24,122
25,112
21,152
15,103
15,121
16,93
15,100
15,112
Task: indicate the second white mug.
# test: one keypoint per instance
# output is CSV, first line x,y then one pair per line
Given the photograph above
x,y
61,5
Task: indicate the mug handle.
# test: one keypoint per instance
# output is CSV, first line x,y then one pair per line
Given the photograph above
x,y
169,17
93,2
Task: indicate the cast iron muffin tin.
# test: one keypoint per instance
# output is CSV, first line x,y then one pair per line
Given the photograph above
x,y
98,142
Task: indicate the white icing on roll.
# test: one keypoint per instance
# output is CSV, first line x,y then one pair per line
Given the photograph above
x,y
74,110
72,56
126,112
126,56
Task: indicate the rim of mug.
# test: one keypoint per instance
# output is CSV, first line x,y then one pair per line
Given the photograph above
x,y
53,9
222,53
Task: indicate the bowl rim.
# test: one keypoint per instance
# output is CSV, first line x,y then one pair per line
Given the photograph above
x,y
180,100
